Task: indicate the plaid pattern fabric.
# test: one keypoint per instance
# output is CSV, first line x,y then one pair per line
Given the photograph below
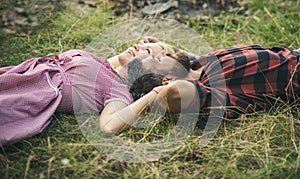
x,y
248,78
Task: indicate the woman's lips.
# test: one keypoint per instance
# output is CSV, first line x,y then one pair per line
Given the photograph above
x,y
131,52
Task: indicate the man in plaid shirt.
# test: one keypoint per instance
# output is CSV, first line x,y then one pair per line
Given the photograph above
x,y
255,78
241,79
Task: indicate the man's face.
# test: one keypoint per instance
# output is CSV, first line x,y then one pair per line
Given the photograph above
x,y
159,63
145,74
167,65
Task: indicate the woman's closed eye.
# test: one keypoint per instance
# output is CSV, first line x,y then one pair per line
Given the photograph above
x,y
148,50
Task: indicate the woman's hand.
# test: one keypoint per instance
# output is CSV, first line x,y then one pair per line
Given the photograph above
x,y
149,39
167,79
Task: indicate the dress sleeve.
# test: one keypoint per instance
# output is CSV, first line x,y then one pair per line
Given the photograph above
x,y
118,92
116,88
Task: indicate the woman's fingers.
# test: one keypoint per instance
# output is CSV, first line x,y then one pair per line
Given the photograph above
x,y
166,80
149,39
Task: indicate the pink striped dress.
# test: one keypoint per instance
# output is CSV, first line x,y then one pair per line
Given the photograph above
x,y
75,81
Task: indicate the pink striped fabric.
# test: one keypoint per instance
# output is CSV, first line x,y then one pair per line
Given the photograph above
x,y
74,81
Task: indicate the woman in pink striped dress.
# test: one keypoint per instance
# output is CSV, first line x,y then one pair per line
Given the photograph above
x,y
74,81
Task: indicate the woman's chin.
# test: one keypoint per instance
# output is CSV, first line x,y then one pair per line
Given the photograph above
x,y
124,58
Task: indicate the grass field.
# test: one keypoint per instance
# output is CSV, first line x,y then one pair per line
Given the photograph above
x,y
261,145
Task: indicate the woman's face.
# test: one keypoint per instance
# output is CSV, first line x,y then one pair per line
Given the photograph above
x,y
141,51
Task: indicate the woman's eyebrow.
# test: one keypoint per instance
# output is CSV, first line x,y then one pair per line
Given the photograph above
x,y
162,48
147,46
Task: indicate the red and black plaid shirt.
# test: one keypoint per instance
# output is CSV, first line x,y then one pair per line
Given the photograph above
x,y
248,78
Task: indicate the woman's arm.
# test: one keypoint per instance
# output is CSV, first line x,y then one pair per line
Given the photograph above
x,y
118,116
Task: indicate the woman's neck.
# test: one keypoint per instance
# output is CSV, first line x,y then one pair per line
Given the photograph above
x,y
122,71
114,62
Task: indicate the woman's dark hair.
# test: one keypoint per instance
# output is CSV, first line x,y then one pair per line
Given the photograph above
x,y
140,80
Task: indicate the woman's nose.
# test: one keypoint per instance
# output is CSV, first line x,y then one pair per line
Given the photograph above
x,y
136,47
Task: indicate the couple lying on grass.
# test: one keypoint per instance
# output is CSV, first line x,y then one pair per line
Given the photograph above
x,y
240,79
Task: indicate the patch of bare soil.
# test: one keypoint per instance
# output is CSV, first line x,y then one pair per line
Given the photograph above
x,y
23,17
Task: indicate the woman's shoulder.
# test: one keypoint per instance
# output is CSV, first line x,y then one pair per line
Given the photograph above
x,y
73,52
81,53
